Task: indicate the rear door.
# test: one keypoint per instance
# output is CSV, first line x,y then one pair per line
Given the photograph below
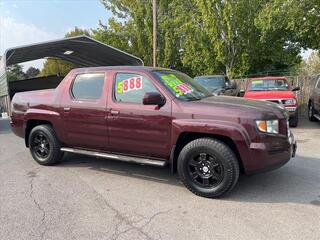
x,y
135,128
84,111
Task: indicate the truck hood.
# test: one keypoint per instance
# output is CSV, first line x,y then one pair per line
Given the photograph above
x,y
241,107
269,94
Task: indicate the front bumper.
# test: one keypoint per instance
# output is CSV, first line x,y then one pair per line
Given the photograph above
x,y
272,153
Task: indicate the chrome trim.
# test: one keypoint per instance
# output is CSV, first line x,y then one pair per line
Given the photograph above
x,y
273,100
147,161
276,100
291,109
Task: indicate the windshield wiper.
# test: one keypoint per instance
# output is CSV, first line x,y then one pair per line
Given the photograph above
x,y
194,99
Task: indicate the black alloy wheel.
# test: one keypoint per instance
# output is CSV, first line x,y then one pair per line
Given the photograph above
x,y
208,167
44,145
206,170
40,146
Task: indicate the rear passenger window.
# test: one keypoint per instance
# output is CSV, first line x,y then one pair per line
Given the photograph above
x,y
88,86
130,87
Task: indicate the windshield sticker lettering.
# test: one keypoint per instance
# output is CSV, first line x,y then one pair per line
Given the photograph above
x,y
185,88
134,83
179,87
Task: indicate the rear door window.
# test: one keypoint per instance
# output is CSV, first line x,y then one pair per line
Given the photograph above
x,y
88,86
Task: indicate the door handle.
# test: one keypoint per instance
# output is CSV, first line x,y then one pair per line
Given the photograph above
x,y
114,112
66,109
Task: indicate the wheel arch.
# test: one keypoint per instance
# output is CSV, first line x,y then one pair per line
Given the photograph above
x,y
186,137
32,123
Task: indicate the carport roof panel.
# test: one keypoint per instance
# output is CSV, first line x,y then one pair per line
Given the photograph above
x,y
83,51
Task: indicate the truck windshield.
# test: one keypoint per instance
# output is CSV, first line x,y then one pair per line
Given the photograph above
x,y
181,85
212,82
268,85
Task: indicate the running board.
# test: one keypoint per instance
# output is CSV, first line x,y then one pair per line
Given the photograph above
x,y
317,116
124,158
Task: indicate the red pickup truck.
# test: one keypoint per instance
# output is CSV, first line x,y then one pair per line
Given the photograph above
x,y
154,116
277,90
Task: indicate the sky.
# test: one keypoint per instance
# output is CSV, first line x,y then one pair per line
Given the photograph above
x,y
25,22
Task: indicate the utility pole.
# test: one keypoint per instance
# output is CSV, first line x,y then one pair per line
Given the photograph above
x,y
154,10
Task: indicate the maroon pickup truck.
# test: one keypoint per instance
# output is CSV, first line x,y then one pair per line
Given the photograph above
x,y
154,116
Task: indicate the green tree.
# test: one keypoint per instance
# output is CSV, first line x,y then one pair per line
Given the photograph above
x,y
297,20
115,34
77,32
54,66
311,66
32,72
200,36
15,72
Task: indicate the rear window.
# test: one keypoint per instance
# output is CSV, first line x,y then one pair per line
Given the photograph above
x,y
212,82
88,86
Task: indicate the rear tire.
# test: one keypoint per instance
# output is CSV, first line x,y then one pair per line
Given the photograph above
x,y
44,145
311,113
208,167
293,121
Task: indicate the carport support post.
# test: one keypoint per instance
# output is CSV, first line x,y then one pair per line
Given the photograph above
x,y
154,10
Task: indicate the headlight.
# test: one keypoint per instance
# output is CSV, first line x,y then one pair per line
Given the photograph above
x,y
291,101
270,126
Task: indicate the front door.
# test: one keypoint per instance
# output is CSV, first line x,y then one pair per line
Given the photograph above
x,y
84,112
135,128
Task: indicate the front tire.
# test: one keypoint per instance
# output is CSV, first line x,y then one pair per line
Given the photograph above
x,y
311,113
44,145
294,120
208,167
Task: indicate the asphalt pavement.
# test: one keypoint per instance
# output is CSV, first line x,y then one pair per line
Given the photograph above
x,y
91,198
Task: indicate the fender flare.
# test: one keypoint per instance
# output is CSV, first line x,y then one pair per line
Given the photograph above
x,y
43,115
234,131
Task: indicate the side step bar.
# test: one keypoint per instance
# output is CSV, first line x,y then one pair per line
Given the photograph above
x,y
124,158
317,116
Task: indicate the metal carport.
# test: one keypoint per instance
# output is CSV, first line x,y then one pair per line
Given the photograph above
x,y
81,50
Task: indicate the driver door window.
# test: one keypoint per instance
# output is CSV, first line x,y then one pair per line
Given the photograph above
x,y
130,87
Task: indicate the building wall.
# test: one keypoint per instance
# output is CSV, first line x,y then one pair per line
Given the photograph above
x,y
4,98
3,79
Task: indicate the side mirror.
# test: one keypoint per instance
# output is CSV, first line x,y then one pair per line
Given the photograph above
x,y
153,98
296,89
233,85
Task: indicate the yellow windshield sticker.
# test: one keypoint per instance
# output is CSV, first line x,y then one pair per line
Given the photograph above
x,y
257,82
120,87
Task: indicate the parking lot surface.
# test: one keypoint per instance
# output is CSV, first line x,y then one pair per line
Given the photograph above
x,y
91,198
